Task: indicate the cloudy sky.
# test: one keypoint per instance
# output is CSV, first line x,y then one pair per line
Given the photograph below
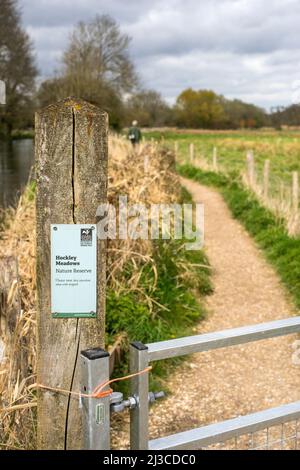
x,y
247,49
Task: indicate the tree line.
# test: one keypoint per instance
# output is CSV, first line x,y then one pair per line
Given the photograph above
x,y
96,66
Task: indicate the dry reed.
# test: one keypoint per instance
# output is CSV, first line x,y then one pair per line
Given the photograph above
x,y
144,175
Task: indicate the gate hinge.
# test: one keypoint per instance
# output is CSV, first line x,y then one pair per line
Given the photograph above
x,y
117,404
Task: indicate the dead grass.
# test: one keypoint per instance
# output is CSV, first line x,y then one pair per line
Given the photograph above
x,y
17,315
144,175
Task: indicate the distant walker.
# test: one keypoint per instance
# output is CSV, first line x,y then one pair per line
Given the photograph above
x,y
134,133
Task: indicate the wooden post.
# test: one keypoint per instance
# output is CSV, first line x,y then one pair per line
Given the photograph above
x,y
215,159
192,152
71,163
250,169
295,192
281,192
266,179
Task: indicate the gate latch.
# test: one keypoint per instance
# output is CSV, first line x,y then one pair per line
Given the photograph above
x,y
117,404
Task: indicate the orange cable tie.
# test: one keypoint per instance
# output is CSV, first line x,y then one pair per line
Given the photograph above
x,y
98,391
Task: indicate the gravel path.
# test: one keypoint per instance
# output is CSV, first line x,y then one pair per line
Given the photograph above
x,y
226,383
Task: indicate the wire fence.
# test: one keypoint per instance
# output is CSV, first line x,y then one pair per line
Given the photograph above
x,y
285,436
280,196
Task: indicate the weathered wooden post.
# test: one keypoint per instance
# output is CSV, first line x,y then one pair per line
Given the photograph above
x,y
295,193
215,159
71,161
266,179
192,152
250,169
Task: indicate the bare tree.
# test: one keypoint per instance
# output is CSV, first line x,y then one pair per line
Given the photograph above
x,y
96,67
99,51
149,108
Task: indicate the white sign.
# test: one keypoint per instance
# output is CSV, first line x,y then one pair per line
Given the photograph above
x,y
73,271
2,92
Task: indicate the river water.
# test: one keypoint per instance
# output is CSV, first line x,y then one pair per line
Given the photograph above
x,y
16,160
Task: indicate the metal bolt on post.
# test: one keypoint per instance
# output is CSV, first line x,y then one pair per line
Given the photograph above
x,y
139,434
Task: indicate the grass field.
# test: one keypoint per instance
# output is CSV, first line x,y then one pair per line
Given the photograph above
x,y
282,148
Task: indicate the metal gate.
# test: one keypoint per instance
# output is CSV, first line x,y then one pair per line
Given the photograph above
x,y
241,432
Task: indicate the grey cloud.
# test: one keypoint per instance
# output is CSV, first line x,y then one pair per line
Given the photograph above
x,y
68,12
241,48
222,25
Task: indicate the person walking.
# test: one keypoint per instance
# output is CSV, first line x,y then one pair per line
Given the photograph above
x,y
134,133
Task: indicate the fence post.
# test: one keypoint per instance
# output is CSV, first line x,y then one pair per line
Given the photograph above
x,y
2,92
295,192
266,179
192,152
176,150
71,165
250,168
215,159
96,413
281,193
139,434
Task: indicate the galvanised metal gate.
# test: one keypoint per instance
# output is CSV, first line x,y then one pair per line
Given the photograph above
x,y
141,357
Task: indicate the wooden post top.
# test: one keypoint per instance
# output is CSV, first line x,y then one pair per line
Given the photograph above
x,y
76,104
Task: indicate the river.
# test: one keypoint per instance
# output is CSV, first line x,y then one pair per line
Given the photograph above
x,y
16,160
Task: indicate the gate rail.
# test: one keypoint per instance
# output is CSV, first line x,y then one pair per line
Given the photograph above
x,y
141,355
226,430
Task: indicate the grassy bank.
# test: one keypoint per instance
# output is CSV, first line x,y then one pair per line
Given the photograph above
x,y
176,297
177,285
282,148
269,233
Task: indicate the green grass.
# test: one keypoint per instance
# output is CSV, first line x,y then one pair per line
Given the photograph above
x,y
181,310
180,297
30,191
270,234
282,148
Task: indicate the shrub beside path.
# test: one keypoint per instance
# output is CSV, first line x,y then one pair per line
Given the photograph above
x,y
222,384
